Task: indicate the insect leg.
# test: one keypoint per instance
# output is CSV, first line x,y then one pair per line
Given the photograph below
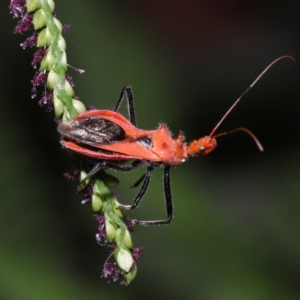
x,y
138,182
141,193
129,98
168,200
114,166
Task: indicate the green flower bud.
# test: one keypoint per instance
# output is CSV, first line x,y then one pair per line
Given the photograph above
x,y
47,62
118,211
83,174
63,61
95,188
58,107
110,230
44,38
130,275
79,106
124,259
39,19
96,203
126,239
51,4
52,80
69,90
32,5
66,117
61,43
58,24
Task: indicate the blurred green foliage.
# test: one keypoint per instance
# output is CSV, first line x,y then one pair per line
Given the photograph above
x,y
237,212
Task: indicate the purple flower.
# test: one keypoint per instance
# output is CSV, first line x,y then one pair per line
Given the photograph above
x,y
38,56
31,41
17,8
24,25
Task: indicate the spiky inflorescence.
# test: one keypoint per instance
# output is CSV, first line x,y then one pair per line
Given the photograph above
x,y
57,94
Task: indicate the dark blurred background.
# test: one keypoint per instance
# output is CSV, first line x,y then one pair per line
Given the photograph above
x,y
237,211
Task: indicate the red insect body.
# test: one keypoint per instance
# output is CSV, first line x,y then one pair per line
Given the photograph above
x,y
110,138
126,149
164,148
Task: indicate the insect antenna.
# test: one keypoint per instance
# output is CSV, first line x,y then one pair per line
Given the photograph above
x,y
243,94
258,144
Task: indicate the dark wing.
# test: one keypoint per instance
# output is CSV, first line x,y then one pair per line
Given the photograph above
x,y
91,130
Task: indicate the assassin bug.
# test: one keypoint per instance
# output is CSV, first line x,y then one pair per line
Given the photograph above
x,y
111,139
